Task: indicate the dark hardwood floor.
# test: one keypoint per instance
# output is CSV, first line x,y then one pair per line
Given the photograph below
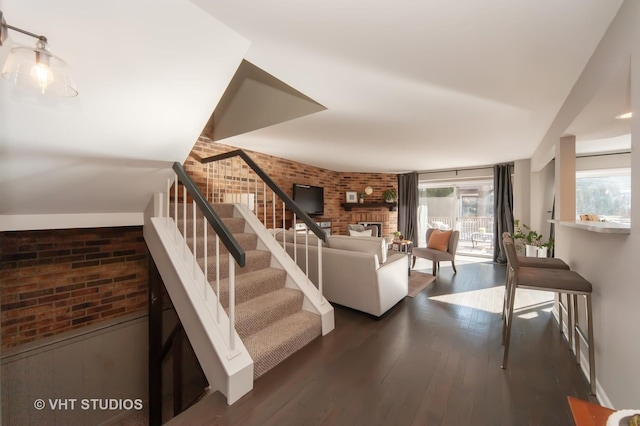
x,y
433,360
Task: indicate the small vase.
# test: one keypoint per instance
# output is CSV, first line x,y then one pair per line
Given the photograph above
x,y
361,200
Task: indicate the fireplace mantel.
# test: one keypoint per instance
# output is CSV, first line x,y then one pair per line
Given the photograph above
x,y
381,204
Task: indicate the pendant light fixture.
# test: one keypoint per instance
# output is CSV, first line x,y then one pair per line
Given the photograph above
x,y
35,68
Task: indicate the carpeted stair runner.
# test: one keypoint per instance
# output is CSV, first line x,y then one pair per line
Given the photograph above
x,y
288,335
269,317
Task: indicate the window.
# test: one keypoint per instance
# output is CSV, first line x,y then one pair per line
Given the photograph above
x,y
606,193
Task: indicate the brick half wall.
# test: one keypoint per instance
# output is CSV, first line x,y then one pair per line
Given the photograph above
x,y
54,281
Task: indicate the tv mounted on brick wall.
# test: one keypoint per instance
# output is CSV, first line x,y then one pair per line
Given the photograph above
x,y
309,198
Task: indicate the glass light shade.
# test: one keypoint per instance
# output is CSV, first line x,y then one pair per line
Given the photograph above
x,y
37,70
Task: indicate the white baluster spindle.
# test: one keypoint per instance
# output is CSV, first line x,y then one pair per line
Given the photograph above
x,y
193,226
206,262
218,279
175,203
320,270
184,222
232,303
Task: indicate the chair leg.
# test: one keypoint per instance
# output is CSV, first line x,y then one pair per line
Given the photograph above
x,y
569,316
506,291
504,311
592,347
435,268
414,263
453,263
509,323
560,315
576,336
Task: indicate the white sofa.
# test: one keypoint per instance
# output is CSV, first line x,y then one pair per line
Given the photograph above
x,y
357,272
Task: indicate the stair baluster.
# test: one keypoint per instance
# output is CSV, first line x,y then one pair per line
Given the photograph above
x,y
175,203
232,306
205,281
195,243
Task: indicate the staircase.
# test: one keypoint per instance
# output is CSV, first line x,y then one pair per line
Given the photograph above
x,y
243,303
269,316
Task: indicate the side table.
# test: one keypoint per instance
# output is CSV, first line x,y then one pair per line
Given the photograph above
x,y
404,246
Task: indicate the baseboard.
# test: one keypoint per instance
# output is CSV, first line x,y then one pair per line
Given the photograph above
x,y
601,395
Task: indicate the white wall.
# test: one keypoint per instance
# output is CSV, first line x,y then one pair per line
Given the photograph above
x,y
609,161
609,262
542,194
521,190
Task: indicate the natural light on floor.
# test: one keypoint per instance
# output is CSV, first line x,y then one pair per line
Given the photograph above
x,y
527,304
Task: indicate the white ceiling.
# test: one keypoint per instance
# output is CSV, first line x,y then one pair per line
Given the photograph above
x,y
409,85
148,76
596,128
417,85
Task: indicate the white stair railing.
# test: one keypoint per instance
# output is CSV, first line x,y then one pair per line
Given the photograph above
x,y
230,177
190,255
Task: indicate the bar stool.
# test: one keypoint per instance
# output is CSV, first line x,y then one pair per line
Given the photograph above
x,y
545,263
559,281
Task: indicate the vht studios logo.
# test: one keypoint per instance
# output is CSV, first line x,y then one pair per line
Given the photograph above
x,y
104,404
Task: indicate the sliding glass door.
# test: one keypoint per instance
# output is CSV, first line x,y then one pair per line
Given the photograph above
x,y
466,206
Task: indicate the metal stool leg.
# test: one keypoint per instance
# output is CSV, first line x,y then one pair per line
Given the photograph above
x,y
506,291
569,317
509,317
592,346
560,314
576,323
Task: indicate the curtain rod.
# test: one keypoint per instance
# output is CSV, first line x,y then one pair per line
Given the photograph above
x,y
462,170
603,154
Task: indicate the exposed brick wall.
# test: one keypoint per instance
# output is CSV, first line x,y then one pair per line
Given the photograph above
x,y
57,280
285,173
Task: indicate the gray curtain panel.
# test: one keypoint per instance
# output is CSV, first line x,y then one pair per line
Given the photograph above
x,y
502,209
408,205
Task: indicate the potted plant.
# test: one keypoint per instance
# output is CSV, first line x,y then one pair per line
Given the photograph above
x,y
390,195
361,196
533,245
543,249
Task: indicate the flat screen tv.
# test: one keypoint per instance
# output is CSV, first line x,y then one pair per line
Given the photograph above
x,y
309,198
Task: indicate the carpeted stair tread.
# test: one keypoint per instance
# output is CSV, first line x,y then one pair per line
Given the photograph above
x,y
235,225
248,241
222,209
252,284
255,260
270,346
260,312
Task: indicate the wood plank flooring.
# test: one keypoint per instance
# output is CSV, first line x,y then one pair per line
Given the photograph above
x,y
433,360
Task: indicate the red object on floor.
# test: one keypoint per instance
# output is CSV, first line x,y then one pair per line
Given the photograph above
x,y
587,413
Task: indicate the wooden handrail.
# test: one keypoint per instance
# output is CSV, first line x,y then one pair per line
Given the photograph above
x,y
291,205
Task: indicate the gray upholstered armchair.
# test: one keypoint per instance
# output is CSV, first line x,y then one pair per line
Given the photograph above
x,y
436,256
361,228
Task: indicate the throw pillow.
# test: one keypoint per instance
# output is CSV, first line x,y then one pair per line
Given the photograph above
x,y
439,240
366,233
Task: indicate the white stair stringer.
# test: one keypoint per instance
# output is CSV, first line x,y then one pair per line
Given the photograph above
x,y
313,300
230,372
